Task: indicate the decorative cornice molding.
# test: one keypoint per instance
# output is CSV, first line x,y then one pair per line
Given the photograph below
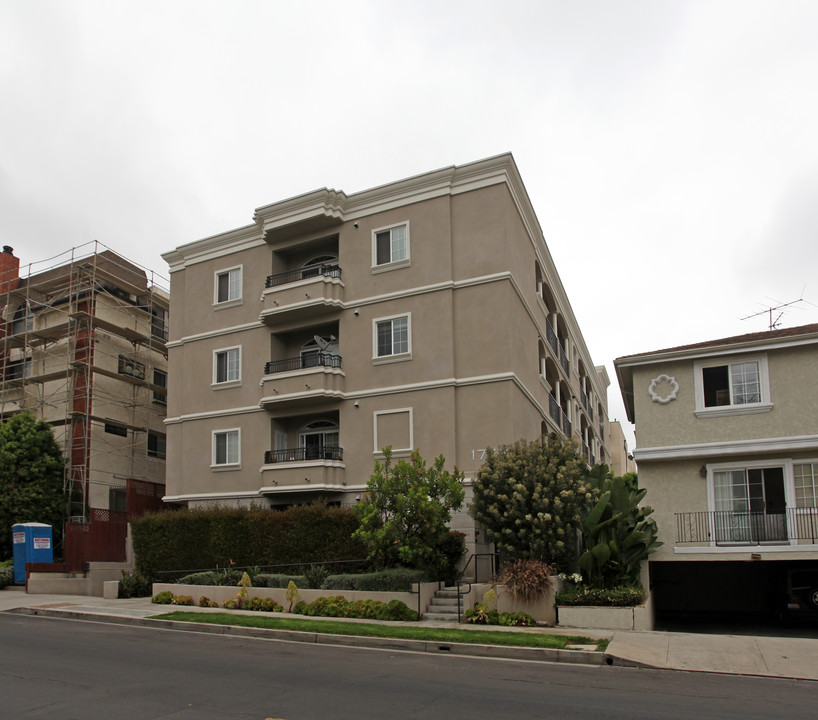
x,y
730,447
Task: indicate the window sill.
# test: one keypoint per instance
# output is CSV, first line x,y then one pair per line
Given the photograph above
x,y
225,468
386,359
228,304
728,410
225,385
386,267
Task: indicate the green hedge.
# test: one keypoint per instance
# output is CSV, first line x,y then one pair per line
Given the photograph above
x,y
6,575
273,580
394,580
624,595
210,538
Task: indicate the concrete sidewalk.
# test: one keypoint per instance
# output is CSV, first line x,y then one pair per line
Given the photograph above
x,y
784,657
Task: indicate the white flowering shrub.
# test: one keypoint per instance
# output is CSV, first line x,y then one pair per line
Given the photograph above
x,y
530,496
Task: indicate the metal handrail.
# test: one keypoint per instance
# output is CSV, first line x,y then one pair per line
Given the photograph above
x,y
737,527
303,362
325,270
460,582
302,454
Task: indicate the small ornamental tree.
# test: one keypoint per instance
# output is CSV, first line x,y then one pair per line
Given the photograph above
x,y
31,475
405,513
529,496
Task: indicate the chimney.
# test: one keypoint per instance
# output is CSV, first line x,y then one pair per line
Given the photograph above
x,y
9,270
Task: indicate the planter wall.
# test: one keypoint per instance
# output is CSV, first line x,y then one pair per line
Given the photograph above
x,y
541,610
220,593
637,617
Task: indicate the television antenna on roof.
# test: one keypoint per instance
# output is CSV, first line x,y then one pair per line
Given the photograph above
x,y
771,310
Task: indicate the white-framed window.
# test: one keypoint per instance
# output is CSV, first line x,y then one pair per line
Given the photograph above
x,y
227,286
749,501
738,386
806,484
392,337
319,440
226,448
227,365
390,246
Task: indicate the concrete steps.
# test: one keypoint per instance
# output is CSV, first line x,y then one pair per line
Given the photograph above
x,y
443,607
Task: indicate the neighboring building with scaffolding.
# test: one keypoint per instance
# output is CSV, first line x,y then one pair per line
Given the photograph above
x,y
82,347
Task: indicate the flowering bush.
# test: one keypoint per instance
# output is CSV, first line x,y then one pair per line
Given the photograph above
x,y
529,497
623,595
182,600
206,602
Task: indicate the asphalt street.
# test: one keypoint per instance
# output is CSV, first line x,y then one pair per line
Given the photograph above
x,y
61,668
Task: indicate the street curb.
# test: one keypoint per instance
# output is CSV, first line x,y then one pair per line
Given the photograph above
x,y
577,657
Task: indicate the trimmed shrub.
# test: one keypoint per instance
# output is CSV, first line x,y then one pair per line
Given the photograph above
x,y
622,596
7,576
163,598
209,577
134,585
338,606
207,602
392,580
235,537
278,581
182,600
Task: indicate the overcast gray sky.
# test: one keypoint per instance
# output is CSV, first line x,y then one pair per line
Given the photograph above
x,y
670,148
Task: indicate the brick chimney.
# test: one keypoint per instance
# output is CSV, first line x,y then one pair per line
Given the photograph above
x,y
9,270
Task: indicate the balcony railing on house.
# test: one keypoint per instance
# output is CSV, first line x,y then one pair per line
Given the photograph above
x,y
304,454
558,416
302,362
564,361
731,527
302,274
551,336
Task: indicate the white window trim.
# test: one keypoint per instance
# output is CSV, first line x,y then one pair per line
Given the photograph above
x,y
399,357
378,450
384,267
226,383
224,466
725,410
793,463
233,301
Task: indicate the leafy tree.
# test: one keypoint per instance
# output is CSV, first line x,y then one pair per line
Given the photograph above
x,y
617,534
405,513
529,496
31,475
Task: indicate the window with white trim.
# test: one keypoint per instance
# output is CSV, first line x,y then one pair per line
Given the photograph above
x,y
228,285
392,336
741,386
806,484
227,365
390,245
226,447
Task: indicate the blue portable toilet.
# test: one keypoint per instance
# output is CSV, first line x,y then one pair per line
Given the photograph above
x,y
32,544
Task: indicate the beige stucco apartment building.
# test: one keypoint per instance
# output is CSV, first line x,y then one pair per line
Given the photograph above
x,y
424,314
727,447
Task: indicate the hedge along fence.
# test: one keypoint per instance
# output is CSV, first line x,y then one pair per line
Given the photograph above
x,y
215,537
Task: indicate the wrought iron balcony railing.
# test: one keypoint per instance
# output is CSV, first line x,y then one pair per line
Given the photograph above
x,y
302,274
302,362
303,454
732,527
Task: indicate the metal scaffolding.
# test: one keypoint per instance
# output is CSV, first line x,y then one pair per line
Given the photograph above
x,y
83,348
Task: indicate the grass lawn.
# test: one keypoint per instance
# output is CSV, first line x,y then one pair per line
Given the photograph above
x,y
337,627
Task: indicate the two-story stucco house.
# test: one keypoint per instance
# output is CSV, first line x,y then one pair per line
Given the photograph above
x,y
424,314
727,446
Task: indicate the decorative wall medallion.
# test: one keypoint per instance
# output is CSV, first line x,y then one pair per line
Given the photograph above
x,y
663,389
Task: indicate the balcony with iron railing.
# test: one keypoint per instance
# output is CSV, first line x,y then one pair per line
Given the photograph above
x,y
304,454
314,468
302,380
558,416
734,527
303,293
